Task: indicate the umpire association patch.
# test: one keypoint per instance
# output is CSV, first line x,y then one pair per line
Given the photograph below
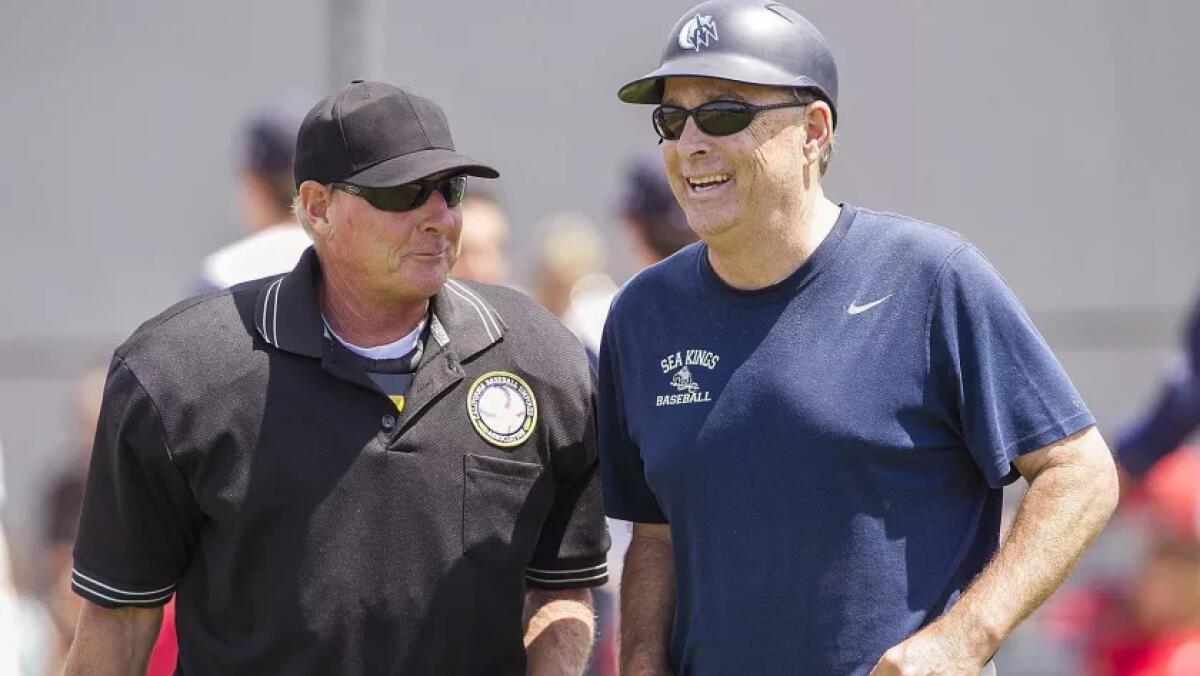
x,y
502,408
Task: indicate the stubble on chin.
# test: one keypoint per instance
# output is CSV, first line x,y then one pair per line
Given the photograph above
x,y
708,224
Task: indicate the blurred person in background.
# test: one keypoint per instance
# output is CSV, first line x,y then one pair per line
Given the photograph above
x,y
569,277
1173,415
359,467
61,502
9,640
483,249
810,415
27,637
655,226
569,280
1156,631
274,240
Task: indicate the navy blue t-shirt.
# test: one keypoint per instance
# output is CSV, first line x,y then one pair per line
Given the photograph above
x,y
829,451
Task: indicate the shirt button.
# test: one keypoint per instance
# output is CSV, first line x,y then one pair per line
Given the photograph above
x,y
388,421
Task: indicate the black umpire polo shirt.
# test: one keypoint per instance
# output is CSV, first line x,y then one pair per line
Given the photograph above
x,y
246,463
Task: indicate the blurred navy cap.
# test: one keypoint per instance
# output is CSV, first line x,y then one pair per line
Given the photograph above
x,y
645,192
648,203
266,142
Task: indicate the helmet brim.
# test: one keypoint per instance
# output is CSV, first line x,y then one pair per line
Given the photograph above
x,y
648,89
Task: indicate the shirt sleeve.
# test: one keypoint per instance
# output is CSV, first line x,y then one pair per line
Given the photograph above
x,y
573,547
1174,414
138,522
627,496
1008,394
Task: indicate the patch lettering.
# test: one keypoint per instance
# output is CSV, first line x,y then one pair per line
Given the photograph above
x,y
502,409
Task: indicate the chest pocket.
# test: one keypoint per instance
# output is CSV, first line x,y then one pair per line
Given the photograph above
x,y
503,507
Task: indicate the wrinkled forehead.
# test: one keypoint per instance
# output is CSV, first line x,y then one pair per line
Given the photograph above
x,y
689,92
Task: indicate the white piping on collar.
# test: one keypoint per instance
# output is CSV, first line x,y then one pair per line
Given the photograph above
x,y
486,327
487,310
275,311
266,305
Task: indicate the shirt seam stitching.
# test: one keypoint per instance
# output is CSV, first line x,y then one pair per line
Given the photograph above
x,y
333,111
162,427
1062,422
929,306
163,320
420,123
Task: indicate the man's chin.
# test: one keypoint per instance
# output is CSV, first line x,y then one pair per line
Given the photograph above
x,y
707,226
419,284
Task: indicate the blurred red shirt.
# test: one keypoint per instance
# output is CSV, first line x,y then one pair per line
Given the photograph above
x,y
166,650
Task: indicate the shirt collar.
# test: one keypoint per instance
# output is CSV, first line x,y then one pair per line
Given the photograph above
x,y
288,314
464,321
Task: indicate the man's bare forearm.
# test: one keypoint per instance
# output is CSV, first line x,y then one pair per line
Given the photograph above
x,y
559,630
647,602
113,641
1072,492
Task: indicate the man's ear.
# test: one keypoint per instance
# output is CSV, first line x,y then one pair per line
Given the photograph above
x,y
314,202
819,125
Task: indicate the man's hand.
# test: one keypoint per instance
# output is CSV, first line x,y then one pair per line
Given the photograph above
x,y
1072,492
930,653
559,630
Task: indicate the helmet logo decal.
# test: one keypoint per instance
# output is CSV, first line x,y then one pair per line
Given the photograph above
x,y
697,32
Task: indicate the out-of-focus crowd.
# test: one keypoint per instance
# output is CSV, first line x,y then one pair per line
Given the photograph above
x,y
1133,610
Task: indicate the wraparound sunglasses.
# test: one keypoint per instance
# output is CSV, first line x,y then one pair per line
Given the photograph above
x,y
408,196
715,118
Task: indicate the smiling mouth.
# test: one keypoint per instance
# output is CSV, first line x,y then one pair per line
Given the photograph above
x,y
708,182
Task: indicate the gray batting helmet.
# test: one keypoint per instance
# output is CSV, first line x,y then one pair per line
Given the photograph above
x,y
749,41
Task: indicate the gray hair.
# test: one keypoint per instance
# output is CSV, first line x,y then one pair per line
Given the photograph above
x,y
301,215
806,97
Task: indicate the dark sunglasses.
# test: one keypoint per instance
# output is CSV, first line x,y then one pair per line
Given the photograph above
x,y
715,118
408,196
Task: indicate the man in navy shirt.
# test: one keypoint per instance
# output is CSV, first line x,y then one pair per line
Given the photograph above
x,y
810,414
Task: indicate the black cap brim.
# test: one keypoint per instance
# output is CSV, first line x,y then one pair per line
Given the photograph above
x,y
418,165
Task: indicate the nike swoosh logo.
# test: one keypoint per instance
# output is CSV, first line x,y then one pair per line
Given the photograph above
x,y
855,309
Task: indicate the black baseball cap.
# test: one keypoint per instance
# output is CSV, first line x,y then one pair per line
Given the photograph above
x,y
376,135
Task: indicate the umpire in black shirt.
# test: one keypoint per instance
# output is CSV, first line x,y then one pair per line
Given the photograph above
x,y
360,467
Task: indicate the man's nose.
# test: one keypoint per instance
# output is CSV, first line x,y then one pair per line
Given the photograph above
x,y
692,141
439,216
